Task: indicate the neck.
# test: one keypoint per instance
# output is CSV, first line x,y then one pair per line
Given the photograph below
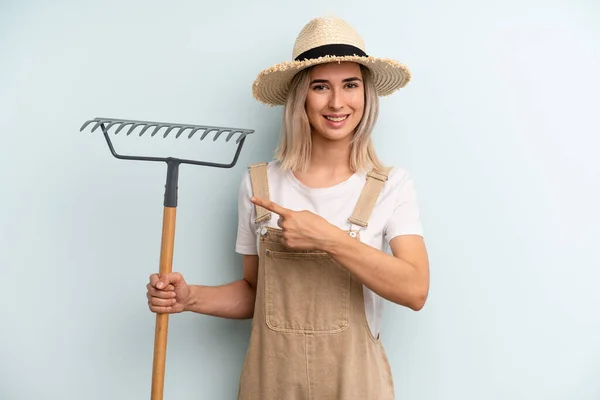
x,y
329,155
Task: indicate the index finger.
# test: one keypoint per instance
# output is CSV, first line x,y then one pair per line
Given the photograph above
x,y
154,279
271,206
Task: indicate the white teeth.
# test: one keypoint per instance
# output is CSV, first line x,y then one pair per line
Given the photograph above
x,y
336,119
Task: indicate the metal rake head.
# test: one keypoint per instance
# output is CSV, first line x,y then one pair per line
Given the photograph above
x,y
106,123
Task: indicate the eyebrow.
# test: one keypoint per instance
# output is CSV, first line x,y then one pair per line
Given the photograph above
x,y
354,78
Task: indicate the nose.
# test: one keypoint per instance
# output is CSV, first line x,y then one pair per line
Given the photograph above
x,y
335,99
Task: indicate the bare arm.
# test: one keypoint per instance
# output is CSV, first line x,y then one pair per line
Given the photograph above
x,y
235,300
402,277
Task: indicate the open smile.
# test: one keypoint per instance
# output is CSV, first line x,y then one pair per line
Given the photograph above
x,y
336,118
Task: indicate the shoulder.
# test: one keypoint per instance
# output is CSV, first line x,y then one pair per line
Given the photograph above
x,y
272,166
398,176
273,169
400,183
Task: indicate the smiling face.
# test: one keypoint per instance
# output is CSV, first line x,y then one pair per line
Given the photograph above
x,y
335,102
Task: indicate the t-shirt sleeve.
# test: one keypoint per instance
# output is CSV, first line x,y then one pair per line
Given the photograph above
x,y
405,218
246,231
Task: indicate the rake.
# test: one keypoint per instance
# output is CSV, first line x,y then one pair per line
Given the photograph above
x,y
170,206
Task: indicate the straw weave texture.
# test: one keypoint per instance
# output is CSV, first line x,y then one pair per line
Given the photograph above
x,y
319,32
272,84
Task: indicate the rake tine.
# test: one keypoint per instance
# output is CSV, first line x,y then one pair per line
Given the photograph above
x,y
123,125
219,134
146,128
170,129
206,132
100,122
233,132
181,131
194,131
158,128
110,125
86,123
133,127
242,136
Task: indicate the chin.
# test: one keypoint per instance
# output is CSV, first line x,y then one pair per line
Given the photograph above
x,y
337,134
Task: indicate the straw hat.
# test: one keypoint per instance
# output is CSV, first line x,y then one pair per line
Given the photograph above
x,y
324,40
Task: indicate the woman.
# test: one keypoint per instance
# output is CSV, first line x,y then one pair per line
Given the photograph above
x,y
314,227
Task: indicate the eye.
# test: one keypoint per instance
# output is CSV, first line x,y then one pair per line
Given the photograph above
x,y
352,85
319,87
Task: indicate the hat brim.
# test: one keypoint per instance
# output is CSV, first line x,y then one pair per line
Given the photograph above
x,y
272,84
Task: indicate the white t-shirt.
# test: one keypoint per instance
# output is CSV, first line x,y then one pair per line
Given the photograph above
x,y
395,213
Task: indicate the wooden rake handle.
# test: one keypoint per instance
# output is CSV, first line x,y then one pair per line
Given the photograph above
x,y
166,267
162,320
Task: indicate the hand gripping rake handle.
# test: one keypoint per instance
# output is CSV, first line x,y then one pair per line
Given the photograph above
x,y
170,207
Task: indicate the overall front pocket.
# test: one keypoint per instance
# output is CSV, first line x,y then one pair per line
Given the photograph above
x,y
305,293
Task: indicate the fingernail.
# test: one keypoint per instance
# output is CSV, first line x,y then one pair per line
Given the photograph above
x,y
159,285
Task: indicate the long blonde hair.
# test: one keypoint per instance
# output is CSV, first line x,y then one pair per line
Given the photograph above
x,y
294,150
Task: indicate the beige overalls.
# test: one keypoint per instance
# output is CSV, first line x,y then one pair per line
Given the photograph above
x,y
310,337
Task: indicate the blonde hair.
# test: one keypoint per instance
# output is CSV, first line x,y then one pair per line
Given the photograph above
x,y
294,150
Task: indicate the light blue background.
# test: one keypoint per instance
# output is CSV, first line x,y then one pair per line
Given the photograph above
x,y
499,129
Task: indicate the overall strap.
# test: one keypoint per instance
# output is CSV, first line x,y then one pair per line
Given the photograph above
x,y
260,188
368,196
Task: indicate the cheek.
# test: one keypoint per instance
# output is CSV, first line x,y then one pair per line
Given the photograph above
x,y
313,109
312,115
358,104
356,99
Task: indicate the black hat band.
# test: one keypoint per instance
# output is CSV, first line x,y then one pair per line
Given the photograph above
x,y
332,50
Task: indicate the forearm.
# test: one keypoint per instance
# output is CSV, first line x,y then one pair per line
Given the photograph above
x,y
390,277
234,300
